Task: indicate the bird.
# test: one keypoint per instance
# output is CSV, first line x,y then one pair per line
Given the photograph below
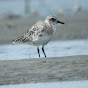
x,y
40,33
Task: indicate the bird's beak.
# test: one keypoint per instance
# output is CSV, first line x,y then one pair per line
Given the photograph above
x,y
60,22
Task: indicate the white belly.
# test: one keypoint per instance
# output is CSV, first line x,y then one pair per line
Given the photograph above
x,y
42,40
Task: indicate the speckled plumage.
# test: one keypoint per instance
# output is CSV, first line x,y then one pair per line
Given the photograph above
x,y
40,29
40,33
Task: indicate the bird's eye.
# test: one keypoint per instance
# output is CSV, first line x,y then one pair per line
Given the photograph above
x,y
53,19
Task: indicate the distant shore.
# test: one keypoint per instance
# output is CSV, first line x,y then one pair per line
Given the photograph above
x,y
75,27
44,70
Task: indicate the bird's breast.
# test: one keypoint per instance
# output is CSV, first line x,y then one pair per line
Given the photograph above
x,y
54,29
42,40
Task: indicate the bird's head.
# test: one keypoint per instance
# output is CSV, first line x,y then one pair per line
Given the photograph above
x,y
52,20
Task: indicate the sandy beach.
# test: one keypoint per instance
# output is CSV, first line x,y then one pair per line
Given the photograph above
x,y
44,70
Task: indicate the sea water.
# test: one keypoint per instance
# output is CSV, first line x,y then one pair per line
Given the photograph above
x,y
69,84
52,49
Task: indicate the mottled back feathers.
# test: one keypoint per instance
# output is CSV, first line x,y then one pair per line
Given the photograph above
x,y
40,29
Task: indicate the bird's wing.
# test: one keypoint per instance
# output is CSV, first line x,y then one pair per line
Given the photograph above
x,y
41,29
38,30
31,33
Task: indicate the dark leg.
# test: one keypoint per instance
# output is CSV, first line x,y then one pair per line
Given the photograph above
x,y
43,51
38,51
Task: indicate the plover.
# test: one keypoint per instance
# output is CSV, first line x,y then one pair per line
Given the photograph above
x,y
40,33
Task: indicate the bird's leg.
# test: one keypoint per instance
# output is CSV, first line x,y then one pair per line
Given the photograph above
x,y
43,51
38,51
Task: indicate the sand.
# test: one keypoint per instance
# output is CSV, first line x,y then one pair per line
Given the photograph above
x,y
44,70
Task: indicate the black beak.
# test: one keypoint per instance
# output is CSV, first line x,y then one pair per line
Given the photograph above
x,y
59,22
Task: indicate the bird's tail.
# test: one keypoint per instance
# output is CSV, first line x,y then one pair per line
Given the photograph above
x,y
18,40
13,41
21,39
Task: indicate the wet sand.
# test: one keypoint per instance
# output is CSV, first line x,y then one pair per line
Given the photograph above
x,y
44,70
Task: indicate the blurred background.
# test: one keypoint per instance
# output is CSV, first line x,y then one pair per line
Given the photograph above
x,y
16,16
43,8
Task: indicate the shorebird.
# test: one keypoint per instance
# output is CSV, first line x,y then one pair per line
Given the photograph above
x,y
40,33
